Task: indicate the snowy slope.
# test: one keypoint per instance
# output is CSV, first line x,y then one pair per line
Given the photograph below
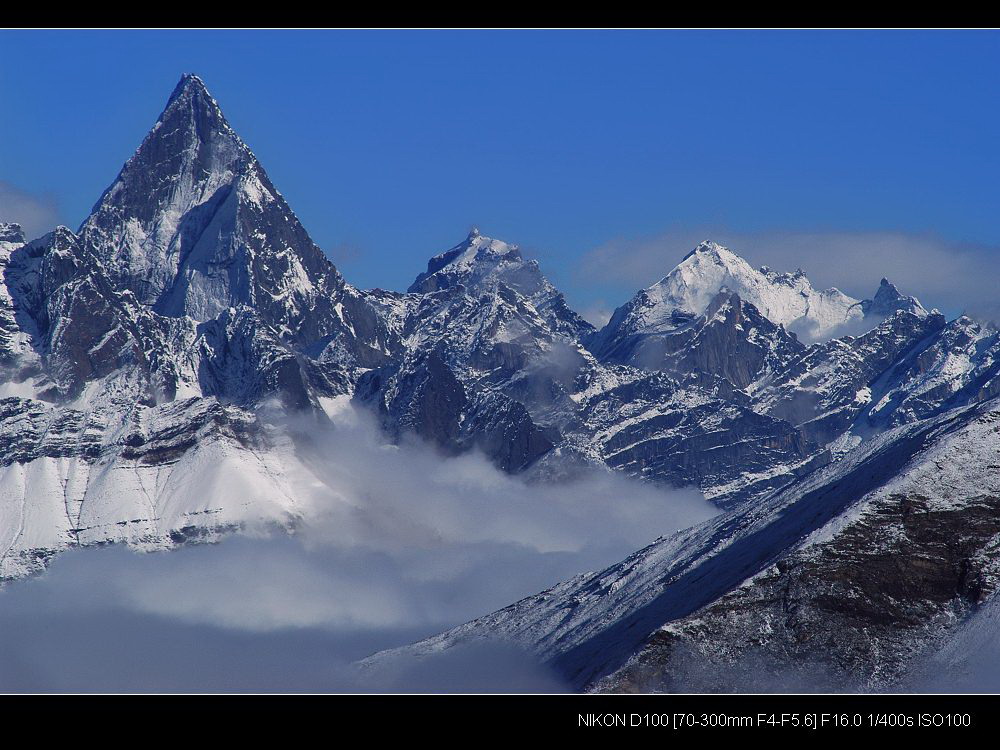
x,y
151,478
784,298
716,589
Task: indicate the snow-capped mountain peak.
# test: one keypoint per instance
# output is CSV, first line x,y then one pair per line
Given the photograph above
x,y
470,262
888,300
653,318
785,298
481,264
193,226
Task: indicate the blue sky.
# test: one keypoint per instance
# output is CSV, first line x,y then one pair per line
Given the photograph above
x,y
390,145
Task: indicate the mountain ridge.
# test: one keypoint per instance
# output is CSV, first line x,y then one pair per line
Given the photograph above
x,y
191,326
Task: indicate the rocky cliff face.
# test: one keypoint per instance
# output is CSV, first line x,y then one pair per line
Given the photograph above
x,y
150,342
862,596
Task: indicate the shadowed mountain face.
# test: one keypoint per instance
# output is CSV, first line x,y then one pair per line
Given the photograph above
x,y
151,364
193,226
839,581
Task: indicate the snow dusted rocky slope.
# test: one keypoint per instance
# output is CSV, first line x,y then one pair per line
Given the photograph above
x,y
845,576
151,365
139,353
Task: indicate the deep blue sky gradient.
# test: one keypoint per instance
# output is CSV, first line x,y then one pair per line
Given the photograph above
x,y
389,145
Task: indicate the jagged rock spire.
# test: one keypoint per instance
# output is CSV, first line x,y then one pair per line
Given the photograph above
x,y
888,300
193,226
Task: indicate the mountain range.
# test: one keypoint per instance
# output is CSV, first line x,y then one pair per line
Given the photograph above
x,y
163,367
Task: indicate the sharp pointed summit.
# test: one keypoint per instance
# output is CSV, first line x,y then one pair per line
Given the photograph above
x,y
188,84
193,226
191,90
888,300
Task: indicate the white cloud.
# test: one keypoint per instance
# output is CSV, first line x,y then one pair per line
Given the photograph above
x,y
597,313
404,544
952,276
37,214
967,661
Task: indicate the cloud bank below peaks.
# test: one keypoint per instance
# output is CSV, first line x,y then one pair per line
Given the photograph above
x,y
401,543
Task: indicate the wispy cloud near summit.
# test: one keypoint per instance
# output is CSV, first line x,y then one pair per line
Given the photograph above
x,y
954,277
37,214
